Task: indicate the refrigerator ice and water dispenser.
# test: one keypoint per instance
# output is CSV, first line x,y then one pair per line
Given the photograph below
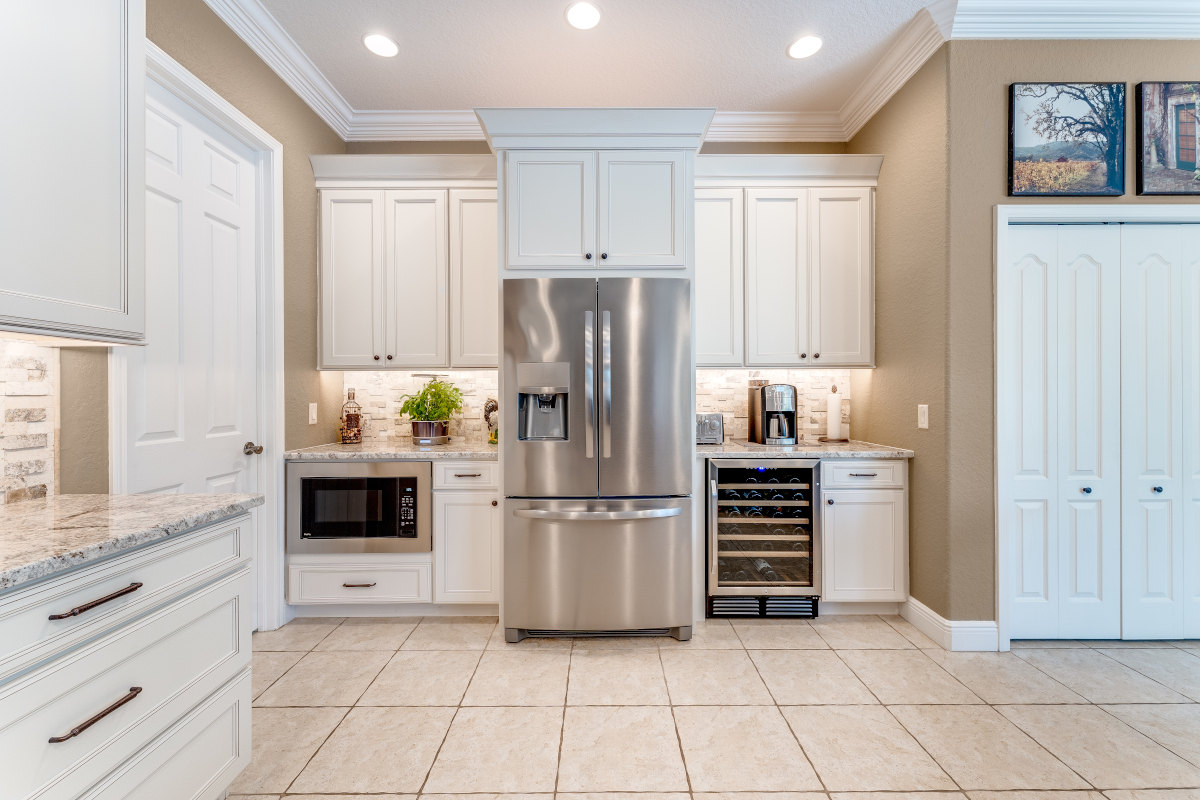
x,y
542,401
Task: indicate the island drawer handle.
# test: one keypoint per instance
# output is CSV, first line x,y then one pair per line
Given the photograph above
x,y
134,691
359,585
468,474
77,610
864,474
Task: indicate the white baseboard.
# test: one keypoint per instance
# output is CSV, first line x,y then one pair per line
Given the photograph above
x,y
951,634
838,609
398,610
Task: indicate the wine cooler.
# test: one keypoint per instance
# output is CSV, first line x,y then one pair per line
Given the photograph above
x,y
763,537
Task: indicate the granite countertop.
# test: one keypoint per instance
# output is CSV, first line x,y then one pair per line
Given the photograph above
x,y
458,448
851,449
39,538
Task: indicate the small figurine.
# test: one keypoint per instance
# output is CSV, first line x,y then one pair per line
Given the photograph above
x,y
491,416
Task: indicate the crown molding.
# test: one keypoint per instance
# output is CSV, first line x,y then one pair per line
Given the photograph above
x,y
775,126
1077,19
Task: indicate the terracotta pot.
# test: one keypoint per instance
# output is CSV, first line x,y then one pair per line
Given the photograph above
x,y
422,429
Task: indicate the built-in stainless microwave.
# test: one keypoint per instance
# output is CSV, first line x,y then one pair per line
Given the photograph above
x,y
359,507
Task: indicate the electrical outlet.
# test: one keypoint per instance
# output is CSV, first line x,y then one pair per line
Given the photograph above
x,y
923,416
312,413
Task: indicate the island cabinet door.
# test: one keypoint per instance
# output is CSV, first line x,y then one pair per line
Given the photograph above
x,y
550,208
641,208
466,547
865,543
352,294
777,283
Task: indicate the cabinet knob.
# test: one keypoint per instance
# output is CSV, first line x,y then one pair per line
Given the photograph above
x,y
829,501
603,255
1158,490
588,256
804,355
376,358
816,355
495,503
1086,490
389,358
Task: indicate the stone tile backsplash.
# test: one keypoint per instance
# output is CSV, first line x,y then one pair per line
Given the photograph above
x,y
717,390
28,402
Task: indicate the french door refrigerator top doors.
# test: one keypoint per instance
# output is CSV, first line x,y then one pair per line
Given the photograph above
x,y
598,379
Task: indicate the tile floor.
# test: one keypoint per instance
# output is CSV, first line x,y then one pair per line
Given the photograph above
x,y
835,709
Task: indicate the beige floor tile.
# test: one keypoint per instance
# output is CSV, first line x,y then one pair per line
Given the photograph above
x,y
351,797
1071,795
326,679
907,677
1046,644
616,678
377,750
620,748
741,748
859,633
810,677
489,796
496,642
910,632
1152,794
900,796
619,642
1187,644
255,796
713,677
1003,678
765,796
777,634
1098,678
366,633
1126,644
499,750
282,742
1173,668
303,633
268,666
505,678
1175,727
707,634
615,796
422,678
1102,749
982,750
451,633
862,748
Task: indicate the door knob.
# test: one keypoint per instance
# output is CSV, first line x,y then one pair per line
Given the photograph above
x,y
1158,490
495,503
252,449
829,501
1086,490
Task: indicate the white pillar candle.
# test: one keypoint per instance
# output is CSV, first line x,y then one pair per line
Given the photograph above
x,y
833,416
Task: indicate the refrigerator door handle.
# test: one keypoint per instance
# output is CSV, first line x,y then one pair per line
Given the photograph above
x,y
606,377
597,516
589,391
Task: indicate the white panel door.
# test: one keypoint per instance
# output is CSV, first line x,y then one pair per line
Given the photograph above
x,y
641,208
416,279
474,279
352,294
550,208
865,546
1086,518
777,298
466,547
192,390
1027,363
1152,432
720,278
841,276
1190,358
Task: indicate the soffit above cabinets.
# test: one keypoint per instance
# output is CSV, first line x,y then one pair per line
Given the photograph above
x,y
469,53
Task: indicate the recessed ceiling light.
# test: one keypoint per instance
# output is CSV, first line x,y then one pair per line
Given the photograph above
x,y
583,16
380,45
805,46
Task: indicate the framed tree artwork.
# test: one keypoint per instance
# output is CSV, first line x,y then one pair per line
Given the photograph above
x,y
1066,139
1169,137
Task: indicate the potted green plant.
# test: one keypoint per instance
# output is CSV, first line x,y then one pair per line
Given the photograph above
x,y
430,409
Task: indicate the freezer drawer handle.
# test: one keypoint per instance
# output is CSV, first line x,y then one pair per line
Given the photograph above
x,y
598,516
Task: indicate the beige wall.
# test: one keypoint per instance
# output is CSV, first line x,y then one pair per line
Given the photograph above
x,y
83,421
911,263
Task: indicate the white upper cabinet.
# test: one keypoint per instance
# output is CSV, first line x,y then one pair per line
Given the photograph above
x,y
586,209
416,277
777,284
474,279
640,210
551,208
72,229
842,308
720,278
352,286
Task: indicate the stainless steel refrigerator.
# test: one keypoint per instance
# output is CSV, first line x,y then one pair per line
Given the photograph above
x,y
597,426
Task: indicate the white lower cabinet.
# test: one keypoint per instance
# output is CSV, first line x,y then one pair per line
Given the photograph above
x,y
466,546
353,579
864,536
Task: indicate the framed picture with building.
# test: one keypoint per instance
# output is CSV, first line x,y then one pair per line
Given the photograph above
x,y
1066,140
1169,138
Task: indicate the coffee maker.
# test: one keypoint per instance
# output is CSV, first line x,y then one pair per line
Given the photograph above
x,y
773,414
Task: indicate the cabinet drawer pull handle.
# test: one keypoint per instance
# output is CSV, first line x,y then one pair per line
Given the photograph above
x,y
134,691
864,474
495,503
77,610
359,585
468,474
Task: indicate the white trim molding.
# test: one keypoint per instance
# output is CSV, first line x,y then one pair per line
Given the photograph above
x,y
949,633
1076,19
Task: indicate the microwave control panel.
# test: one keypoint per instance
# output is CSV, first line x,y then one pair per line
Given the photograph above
x,y
408,508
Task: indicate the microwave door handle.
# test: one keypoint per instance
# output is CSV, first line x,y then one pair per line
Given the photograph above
x,y
589,389
606,379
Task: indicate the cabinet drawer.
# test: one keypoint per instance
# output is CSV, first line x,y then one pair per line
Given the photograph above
x,y
164,570
176,657
387,583
466,475
839,474
196,759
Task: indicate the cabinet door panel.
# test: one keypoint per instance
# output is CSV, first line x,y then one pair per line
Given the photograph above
x,y
550,212
352,293
466,548
777,299
842,318
474,280
641,207
1190,357
863,534
720,278
416,278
